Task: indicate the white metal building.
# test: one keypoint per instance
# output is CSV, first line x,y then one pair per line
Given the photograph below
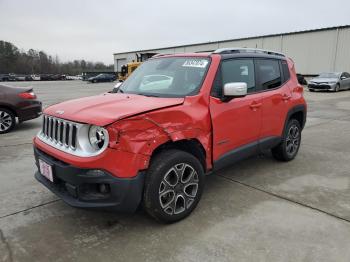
x,y
313,51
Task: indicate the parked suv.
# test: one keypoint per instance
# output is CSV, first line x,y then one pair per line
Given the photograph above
x,y
153,144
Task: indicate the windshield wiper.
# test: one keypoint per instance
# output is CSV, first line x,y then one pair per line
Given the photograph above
x,y
148,95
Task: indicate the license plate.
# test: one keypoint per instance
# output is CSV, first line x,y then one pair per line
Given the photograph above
x,y
46,170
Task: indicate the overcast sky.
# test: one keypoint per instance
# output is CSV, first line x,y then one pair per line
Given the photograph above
x,y
94,30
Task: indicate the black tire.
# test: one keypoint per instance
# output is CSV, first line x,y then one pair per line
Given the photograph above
x,y
289,147
176,204
311,90
7,120
337,88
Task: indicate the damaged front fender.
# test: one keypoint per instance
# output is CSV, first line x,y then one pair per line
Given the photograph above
x,y
145,133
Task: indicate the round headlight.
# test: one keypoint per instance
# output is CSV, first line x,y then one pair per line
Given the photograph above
x,y
98,137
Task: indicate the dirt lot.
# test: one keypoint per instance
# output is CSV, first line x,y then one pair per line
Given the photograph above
x,y
257,210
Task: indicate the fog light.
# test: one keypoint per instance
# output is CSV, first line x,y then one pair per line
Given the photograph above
x,y
95,173
104,188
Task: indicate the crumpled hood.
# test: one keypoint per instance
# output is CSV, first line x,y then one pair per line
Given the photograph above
x,y
107,108
324,80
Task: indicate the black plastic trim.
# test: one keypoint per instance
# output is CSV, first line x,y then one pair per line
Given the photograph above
x,y
245,151
236,155
124,196
295,109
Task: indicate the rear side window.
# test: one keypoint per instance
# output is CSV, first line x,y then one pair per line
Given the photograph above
x,y
285,71
268,74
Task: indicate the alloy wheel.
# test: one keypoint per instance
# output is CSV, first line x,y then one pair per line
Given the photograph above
x,y
178,189
293,140
5,121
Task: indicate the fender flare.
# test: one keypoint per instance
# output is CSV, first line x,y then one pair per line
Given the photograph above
x,y
293,110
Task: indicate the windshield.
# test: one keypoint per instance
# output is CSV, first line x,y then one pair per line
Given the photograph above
x,y
329,75
167,77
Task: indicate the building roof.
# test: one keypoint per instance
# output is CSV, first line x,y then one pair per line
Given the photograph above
x,y
237,39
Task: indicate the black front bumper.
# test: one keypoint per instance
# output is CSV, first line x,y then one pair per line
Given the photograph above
x,y
82,187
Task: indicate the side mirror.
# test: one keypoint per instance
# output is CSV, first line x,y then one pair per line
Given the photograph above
x,y
343,77
237,89
117,86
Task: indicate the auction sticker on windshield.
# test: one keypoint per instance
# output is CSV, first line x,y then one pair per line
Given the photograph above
x,y
201,63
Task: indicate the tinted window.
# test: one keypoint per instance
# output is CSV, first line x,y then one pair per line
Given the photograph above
x,y
346,75
285,70
268,73
239,70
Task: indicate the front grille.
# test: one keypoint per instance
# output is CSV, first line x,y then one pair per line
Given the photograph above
x,y
60,131
322,86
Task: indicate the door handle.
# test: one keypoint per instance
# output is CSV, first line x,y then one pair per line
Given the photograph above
x,y
255,105
286,97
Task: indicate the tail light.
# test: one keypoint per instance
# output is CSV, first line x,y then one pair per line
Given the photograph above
x,y
27,95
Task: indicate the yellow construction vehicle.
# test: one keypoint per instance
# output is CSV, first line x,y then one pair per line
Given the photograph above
x,y
128,68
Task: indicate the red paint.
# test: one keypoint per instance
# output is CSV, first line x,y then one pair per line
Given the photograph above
x,y
138,125
107,108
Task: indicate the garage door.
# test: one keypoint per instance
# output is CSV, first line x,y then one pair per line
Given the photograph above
x,y
119,63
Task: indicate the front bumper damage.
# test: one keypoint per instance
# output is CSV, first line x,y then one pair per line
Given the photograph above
x,y
91,188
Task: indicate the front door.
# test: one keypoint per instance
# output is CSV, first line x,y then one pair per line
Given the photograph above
x,y
345,81
235,123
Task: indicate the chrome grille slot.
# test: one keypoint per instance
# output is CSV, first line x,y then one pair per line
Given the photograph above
x,y
50,128
66,141
54,133
59,131
68,136
74,137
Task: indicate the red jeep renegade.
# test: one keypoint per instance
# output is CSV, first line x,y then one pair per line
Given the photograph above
x,y
174,120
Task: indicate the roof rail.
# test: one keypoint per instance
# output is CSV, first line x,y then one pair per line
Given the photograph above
x,y
159,55
245,50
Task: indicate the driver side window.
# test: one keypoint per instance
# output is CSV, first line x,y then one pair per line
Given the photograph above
x,y
346,75
235,70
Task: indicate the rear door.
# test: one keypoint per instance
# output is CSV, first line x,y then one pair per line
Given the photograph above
x,y
236,123
273,76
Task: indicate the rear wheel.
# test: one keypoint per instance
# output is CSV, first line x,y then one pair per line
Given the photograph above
x,y
173,186
7,120
289,147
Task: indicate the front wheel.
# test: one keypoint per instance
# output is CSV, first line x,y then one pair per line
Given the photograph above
x,y
289,147
173,186
337,88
